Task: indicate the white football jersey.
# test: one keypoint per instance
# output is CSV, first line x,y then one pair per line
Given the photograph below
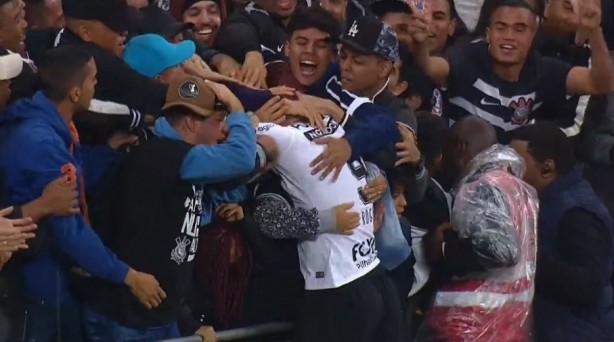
x,y
331,260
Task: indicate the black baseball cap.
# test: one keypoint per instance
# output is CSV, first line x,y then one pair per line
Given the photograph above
x,y
158,21
115,14
371,36
189,3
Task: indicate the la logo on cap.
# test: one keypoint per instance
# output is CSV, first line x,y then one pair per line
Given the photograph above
x,y
189,90
353,30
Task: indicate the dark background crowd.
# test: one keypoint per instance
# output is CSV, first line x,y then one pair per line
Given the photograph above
x,y
388,170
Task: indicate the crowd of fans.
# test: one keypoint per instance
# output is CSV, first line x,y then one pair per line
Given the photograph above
x,y
388,170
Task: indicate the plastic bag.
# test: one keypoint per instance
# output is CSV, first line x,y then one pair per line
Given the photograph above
x,y
497,212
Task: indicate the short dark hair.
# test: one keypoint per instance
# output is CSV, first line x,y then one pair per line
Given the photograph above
x,y
547,141
403,175
315,17
510,3
383,7
432,132
453,14
61,69
418,83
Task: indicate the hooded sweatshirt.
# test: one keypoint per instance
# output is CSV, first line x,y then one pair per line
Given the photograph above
x,y
36,149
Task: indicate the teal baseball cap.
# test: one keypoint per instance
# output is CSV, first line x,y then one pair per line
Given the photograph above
x,y
151,54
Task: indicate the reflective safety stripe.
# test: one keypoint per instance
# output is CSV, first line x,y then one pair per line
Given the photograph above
x,y
481,299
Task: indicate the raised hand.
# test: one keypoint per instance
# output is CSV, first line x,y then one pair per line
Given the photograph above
x,y
253,72
225,96
419,26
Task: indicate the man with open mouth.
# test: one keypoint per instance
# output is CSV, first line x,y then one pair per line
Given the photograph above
x,y
206,16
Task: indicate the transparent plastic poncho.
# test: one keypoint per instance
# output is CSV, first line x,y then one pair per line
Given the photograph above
x,y
497,212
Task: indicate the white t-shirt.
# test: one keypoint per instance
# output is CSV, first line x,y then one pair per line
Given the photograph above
x,y
331,260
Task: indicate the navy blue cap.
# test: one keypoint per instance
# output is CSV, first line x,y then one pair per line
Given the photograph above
x,y
369,35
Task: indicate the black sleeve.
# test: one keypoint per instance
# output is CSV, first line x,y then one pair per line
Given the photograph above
x,y
36,244
552,78
583,245
240,37
457,61
264,249
460,257
187,324
118,82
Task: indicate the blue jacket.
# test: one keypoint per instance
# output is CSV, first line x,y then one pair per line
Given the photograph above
x,y
556,321
373,126
34,148
209,164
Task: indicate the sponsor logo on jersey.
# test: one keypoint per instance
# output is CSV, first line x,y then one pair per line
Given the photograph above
x,y
186,244
364,253
522,110
69,171
330,129
265,128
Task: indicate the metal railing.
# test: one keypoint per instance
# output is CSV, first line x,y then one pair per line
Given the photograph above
x,y
243,333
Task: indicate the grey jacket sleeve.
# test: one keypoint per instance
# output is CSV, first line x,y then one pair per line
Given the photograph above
x,y
595,143
422,179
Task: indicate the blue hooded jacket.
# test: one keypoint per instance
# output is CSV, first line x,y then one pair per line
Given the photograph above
x,y
210,164
35,146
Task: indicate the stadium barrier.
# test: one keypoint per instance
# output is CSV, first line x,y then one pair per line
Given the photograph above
x,y
239,334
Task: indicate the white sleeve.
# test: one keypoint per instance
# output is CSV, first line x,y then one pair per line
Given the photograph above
x,y
283,136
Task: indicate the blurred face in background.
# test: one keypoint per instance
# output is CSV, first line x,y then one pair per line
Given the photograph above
x,y
336,8
101,35
510,35
83,95
283,9
137,3
309,52
13,26
168,75
442,25
560,17
400,202
395,84
207,18
46,14
399,21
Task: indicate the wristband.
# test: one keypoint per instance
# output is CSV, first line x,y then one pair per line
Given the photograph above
x,y
260,156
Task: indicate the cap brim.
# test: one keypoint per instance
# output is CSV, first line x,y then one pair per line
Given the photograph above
x,y
175,29
356,46
11,66
183,51
194,108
